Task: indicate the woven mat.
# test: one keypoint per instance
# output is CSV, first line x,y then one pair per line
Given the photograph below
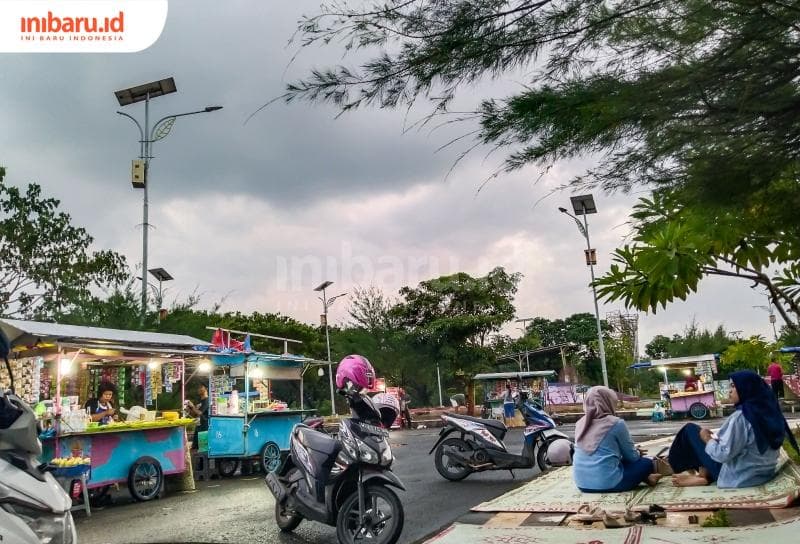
x,y
780,492
778,533
555,491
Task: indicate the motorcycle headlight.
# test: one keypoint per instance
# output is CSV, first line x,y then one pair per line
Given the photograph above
x,y
50,528
366,454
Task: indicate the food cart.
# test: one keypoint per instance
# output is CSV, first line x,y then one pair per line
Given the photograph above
x,y
697,404
245,420
494,387
66,360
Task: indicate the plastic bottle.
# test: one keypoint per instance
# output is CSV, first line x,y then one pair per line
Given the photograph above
x,y
233,403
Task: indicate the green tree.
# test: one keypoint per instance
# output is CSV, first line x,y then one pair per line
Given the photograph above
x,y
46,262
452,317
580,332
657,347
753,354
693,341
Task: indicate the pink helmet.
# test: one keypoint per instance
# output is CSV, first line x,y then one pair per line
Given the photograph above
x,y
357,370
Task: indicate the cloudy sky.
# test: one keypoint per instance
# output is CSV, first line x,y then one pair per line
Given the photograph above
x,y
259,213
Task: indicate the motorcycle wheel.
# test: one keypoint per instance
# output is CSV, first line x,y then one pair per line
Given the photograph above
x,y
449,470
286,519
383,521
541,455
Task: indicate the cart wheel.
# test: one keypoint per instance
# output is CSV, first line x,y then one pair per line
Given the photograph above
x,y
698,410
270,457
145,479
227,466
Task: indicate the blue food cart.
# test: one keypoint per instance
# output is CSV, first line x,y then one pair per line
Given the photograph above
x,y
245,422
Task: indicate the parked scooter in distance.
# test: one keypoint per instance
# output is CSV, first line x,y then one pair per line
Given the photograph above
x,y
33,507
345,481
479,444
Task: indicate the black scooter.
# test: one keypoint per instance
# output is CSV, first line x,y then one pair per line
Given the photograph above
x,y
480,447
346,481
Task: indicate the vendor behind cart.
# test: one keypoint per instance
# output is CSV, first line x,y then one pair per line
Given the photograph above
x,y
199,410
691,381
101,408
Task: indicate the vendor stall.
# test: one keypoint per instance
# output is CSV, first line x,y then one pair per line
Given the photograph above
x,y
246,420
494,387
65,363
700,399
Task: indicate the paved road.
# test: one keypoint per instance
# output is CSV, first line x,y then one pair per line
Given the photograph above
x,y
241,510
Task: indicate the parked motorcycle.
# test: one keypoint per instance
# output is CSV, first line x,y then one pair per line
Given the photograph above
x,y
33,506
479,444
345,481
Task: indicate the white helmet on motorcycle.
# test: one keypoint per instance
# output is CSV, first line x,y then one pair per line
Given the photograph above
x,y
559,453
388,406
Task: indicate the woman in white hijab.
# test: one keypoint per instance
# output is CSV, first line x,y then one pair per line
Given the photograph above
x,y
606,459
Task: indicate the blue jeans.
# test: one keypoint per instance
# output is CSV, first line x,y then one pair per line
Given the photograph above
x,y
633,474
688,452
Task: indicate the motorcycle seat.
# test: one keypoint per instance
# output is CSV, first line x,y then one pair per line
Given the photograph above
x,y
497,428
317,441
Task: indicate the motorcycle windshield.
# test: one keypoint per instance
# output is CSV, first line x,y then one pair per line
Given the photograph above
x,y
363,409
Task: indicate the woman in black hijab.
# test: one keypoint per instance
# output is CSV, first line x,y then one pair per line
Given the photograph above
x,y
746,451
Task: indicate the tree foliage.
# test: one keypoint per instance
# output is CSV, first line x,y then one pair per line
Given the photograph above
x,y
47,263
677,243
753,354
453,316
693,341
676,92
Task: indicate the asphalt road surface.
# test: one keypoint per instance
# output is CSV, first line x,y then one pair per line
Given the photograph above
x,y
242,509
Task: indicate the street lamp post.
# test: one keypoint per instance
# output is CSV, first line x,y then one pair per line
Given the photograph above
x,y
326,303
524,321
772,319
584,205
160,130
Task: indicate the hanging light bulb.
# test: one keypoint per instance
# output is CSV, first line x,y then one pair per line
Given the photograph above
x,y
65,366
204,367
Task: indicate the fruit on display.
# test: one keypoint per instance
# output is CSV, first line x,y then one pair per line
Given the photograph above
x,y
70,461
127,425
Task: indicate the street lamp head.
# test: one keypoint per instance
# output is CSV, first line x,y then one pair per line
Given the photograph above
x,y
140,93
583,204
209,109
562,209
323,285
160,274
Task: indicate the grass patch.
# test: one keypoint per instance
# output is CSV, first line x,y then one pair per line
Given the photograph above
x,y
793,455
717,519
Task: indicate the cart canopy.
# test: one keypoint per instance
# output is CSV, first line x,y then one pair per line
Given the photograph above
x,y
515,375
677,362
31,333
